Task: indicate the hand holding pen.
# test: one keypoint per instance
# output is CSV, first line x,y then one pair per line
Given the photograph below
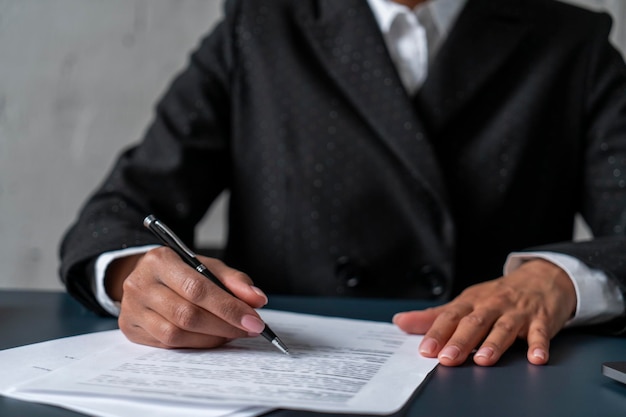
x,y
167,236
166,303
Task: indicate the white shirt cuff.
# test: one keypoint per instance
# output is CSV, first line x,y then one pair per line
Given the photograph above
x,y
103,261
599,299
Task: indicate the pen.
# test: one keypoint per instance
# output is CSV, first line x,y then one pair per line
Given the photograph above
x,y
173,242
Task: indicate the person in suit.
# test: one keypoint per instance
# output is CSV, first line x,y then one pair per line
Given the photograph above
x,y
419,149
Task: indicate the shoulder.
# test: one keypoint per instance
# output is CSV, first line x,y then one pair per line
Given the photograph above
x,y
559,17
261,8
262,18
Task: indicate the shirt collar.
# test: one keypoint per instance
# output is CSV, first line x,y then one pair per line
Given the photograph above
x,y
444,12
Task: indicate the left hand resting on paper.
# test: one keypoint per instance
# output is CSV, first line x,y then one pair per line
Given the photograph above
x,y
533,303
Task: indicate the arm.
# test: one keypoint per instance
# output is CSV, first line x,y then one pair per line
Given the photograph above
x,y
164,302
160,175
536,300
599,298
603,181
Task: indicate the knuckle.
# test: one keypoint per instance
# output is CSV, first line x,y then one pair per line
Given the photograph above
x,y
451,315
474,320
186,316
130,286
541,332
194,290
461,343
436,335
241,276
228,309
494,346
501,299
532,304
154,255
170,335
505,326
542,313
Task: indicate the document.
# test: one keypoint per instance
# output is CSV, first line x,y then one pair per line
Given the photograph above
x,y
337,365
24,363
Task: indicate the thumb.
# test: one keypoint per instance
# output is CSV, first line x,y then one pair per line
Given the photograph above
x,y
415,322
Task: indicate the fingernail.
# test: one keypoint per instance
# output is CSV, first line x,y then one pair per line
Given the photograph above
x,y
395,317
428,347
252,324
450,352
539,353
484,352
259,292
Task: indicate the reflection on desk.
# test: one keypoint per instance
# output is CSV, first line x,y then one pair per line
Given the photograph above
x,y
572,383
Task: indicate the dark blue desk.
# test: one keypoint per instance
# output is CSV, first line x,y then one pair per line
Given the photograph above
x,y
571,385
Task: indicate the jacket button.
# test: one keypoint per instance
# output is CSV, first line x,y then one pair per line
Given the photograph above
x,y
434,279
347,274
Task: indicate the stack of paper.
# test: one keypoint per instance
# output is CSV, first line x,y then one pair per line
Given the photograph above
x,y
337,365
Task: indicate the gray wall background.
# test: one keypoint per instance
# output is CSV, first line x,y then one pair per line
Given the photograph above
x,y
78,80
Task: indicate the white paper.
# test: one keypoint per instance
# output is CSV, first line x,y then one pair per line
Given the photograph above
x,y
24,363
337,365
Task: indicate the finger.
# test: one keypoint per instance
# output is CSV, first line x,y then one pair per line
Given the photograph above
x,y
538,342
472,328
160,317
154,330
196,289
443,328
416,322
199,291
146,291
190,317
236,281
419,322
502,335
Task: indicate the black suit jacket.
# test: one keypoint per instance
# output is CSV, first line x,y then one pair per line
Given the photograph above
x,y
343,184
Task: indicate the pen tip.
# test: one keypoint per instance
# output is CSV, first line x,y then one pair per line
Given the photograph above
x,y
281,346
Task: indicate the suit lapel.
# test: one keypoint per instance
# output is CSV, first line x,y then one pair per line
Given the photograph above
x,y
485,35
347,41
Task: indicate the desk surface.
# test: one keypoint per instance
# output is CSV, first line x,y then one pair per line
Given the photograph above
x,y
571,385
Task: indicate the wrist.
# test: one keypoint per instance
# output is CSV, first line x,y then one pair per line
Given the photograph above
x,y
553,278
116,273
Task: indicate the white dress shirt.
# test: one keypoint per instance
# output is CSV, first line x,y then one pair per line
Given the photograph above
x,y
413,38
